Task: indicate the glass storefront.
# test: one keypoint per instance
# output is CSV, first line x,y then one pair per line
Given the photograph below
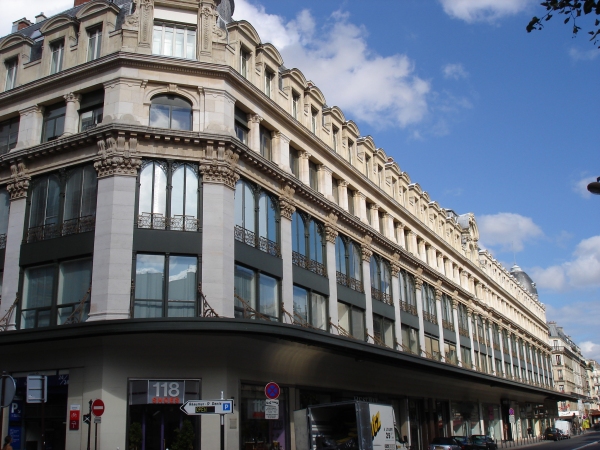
x,y
257,432
465,418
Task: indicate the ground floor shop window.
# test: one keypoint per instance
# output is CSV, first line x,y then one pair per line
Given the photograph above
x,y
410,339
466,357
352,320
465,418
257,431
155,421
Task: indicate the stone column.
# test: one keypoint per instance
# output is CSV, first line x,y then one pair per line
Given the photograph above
x,y
519,353
388,226
287,207
532,377
17,188
488,326
303,167
400,234
71,113
254,121
117,165
419,292
218,164
281,149
360,206
343,194
325,181
396,298
501,340
457,330
438,312
413,247
471,331
30,127
331,234
375,216
366,268
510,354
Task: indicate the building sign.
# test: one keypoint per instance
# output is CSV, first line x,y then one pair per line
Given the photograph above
x,y
163,392
74,416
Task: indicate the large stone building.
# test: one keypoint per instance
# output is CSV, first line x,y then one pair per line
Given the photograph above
x,y
183,216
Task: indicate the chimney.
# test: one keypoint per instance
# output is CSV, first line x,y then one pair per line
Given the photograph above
x,y
40,17
20,24
80,2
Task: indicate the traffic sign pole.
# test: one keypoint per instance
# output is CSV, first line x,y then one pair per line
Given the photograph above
x,y
89,426
222,427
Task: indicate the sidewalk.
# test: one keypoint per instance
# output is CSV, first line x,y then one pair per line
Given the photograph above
x,y
532,441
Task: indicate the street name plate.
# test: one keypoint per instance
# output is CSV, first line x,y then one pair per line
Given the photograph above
x,y
197,407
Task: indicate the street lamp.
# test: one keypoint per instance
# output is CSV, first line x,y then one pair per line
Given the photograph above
x,y
594,186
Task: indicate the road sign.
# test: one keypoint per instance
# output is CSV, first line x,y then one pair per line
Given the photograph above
x,y
37,389
272,409
87,418
8,388
272,390
97,419
511,412
197,407
98,407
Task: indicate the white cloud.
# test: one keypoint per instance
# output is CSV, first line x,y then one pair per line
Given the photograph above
x,y
580,55
379,90
580,186
590,350
13,10
484,10
583,271
454,71
508,230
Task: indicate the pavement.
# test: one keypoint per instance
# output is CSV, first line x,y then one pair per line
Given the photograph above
x,y
532,442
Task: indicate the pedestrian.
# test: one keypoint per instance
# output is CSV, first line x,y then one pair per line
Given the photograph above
x,y
7,441
529,431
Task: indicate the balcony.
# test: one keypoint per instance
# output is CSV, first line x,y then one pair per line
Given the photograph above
x,y
463,332
157,221
376,294
259,242
448,325
406,307
429,317
308,264
54,230
349,282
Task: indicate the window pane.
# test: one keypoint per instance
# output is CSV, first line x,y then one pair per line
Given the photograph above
x,y
244,286
168,46
4,209
262,215
271,220
181,118
157,40
191,44
145,196
177,191
301,303
182,286
344,316
248,208
74,282
38,203
377,327
159,116
73,194
318,311
90,192
91,45
179,42
191,192
149,277
354,258
160,190
340,255
38,287
239,201
52,202
269,296
374,273
358,324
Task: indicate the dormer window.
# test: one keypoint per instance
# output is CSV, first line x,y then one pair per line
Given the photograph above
x,y
244,62
94,43
174,40
57,50
350,151
295,105
336,135
313,120
11,73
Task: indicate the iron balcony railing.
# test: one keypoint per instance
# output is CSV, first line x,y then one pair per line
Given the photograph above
x,y
376,294
447,325
261,243
2,241
157,221
308,264
429,317
349,282
407,307
463,332
54,230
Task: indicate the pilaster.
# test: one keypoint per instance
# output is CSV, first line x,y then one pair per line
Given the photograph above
x,y
331,233
343,194
286,209
419,295
281,150
397,300
254,121
30,127
304,167
457,330
400,233
375,216
367,252
438,312
325,181
71,113
470,325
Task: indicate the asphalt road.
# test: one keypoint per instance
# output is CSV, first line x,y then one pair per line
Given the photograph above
x,y
588,441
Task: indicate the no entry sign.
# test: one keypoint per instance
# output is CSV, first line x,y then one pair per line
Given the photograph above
x,y
98,407
272,390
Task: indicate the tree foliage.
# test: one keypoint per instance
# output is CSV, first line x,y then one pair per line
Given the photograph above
x,y
572,12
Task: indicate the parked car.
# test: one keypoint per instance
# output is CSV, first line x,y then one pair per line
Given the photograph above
x,y
463,441
482,442
553,434
444,443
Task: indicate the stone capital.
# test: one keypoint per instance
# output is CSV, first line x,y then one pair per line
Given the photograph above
x,y
71,97
343,183
218,164
455,303
117,156
366,251
18,185
35,109
254,118
395,264
418,282
287,205
331,230
438,294
282,137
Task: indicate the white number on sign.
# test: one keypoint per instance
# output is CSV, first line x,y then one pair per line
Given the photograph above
x,y
172,389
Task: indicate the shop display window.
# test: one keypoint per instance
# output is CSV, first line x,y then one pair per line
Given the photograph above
x,y
258,432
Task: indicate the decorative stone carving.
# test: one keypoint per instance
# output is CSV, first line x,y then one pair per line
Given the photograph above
x,y
19,181
366,250
218,164
71,97
331,231
438,294
117,156
395,264
418,282
287,205
455,303
470,311
145,11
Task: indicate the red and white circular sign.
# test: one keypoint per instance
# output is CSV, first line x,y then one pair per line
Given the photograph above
x,y
272,390
98,407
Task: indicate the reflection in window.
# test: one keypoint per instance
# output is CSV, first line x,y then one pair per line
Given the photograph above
x,y
265,143
310,308
174,40
381,280
447,314
4,210
383,331
450,353
308,243
91,109
45,196
294,162
80,200
241,125
410,339
429,309
352,320
244,62
40,307
54,122
11,73
256,218
313,175
348,263
432,347
151,288
171,111
94,43
408,291
257,295
9,132
56,58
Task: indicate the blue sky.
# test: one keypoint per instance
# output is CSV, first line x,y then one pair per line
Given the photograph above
x,y
485,117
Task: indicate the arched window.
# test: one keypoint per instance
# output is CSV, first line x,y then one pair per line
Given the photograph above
x,y
171,111
348,263
80,200
169,196
381,280
409,295
447,314
256,218
43,215
429,309
308,243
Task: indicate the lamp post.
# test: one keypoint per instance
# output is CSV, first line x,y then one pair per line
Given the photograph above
x,y
594,186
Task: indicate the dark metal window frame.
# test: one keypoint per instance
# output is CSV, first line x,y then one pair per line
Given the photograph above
x,y
308,261
346,279
52,114
257,274
377,291
10,135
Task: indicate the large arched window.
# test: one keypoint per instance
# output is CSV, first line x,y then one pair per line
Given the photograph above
x,y
348,264
169,196
256,218
381,280
171,111
308,243
409,295
80,200
447,313
43,215
429,309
